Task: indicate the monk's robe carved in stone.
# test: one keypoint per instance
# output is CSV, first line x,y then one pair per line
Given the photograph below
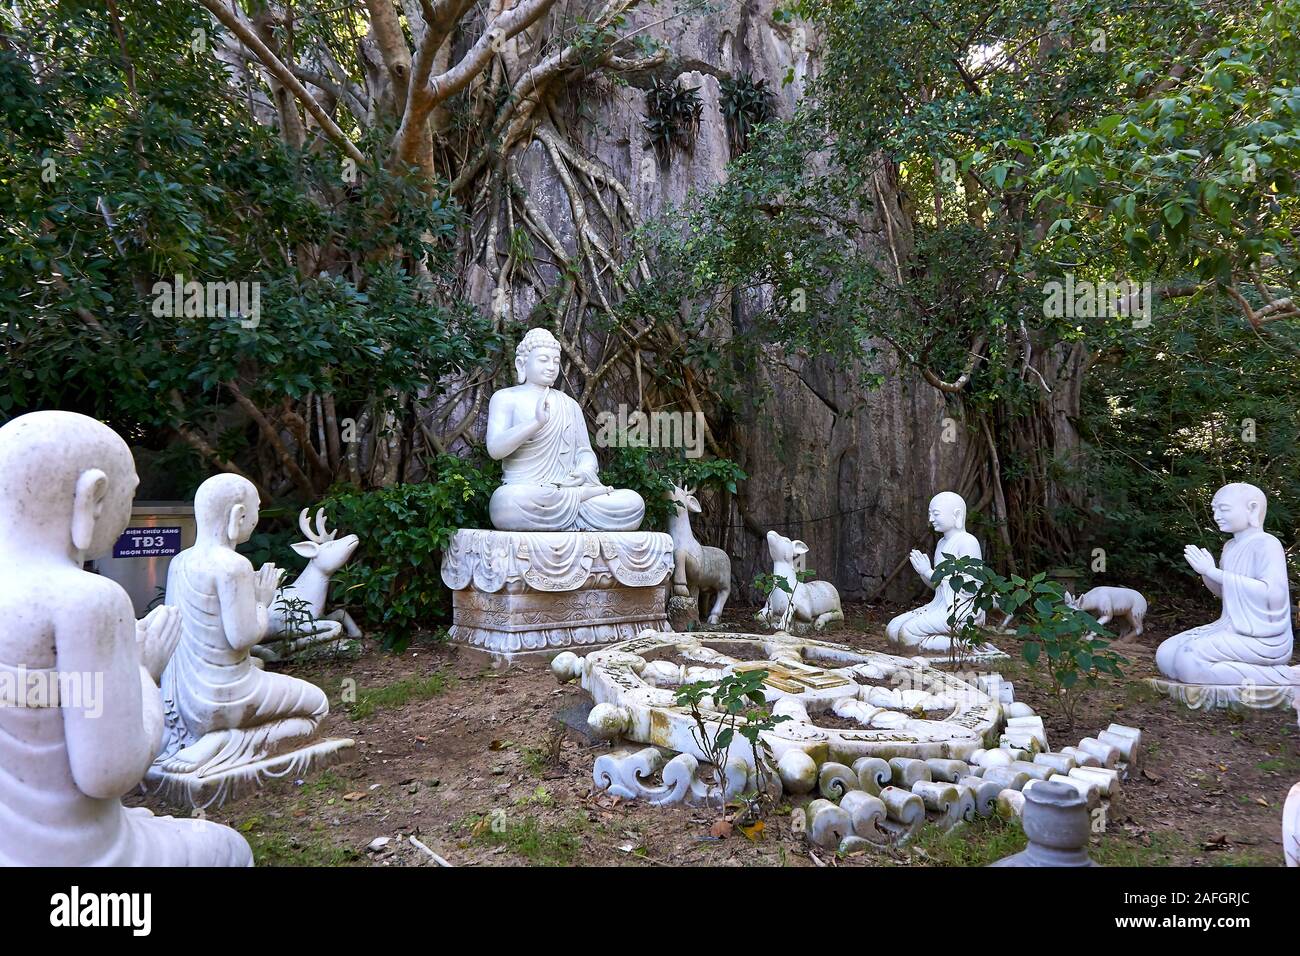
x,y
223,711
927,628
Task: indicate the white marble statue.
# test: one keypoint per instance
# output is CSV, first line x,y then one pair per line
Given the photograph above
x,y
808,602
289,634
927,628
1243,656
549,472
1106,604
81,718
696,567
224,712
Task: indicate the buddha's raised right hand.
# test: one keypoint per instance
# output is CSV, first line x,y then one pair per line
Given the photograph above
x,y
543,412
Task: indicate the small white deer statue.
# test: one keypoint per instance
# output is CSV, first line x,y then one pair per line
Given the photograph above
x,y
810,602
697,568
1107,603
297,617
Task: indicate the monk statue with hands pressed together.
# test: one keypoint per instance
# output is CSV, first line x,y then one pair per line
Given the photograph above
x,y
66,485
1251,642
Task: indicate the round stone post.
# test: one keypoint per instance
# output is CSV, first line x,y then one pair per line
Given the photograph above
x,y
1057,824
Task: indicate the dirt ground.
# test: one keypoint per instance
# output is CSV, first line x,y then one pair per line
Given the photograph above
x,y
472,763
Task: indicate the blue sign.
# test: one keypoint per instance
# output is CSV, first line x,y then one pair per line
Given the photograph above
x,y
148,543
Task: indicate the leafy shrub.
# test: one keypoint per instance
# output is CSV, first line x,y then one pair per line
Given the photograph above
x,y
393,582
1073,643
652,472
746,103
721,708
672,117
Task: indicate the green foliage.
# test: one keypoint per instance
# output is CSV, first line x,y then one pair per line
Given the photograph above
x,y
1197,177
746,103
672,117
297,613
721,708
652,472
393,580
110,193
1068,642
1196,401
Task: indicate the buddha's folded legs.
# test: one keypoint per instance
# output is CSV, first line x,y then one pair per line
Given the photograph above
x,y
547,508
1213,654
620,510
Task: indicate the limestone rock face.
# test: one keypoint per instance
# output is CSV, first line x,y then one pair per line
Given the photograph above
x,y
845,468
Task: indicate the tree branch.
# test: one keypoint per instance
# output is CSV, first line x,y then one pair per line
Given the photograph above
x,y
282,73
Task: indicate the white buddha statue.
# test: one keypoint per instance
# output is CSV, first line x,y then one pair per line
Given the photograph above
x,y
549,472
223,711
926,628
67,757
1250,644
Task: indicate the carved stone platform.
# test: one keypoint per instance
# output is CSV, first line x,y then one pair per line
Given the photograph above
x,y
530,595
1239,697
212,790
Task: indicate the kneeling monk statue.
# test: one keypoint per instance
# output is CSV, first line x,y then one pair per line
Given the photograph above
x,y
81,718
549,478
223,711
1250,644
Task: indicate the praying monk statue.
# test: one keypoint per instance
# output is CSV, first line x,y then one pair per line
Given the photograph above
x,y
225,712
549,472
1251,642
66,484
927,628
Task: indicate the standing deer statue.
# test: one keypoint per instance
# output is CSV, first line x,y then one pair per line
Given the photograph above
x,y
697,568
297,617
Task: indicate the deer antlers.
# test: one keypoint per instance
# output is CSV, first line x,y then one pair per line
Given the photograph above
x,y
320,535
680,494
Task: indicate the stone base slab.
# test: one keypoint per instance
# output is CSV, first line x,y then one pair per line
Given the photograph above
x,y
1226,696
212,790
537,625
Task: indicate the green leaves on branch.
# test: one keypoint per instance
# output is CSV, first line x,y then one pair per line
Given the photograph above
x,y
1074,644
393,583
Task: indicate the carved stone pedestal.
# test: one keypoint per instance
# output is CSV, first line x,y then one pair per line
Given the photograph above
x,y
211,790
530,595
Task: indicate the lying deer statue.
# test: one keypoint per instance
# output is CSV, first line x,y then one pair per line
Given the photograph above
x,y
697,568
297,617
812,602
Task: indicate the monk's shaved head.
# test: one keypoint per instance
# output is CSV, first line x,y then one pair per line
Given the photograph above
x,y
1247,494
953,504
218,495
43,454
